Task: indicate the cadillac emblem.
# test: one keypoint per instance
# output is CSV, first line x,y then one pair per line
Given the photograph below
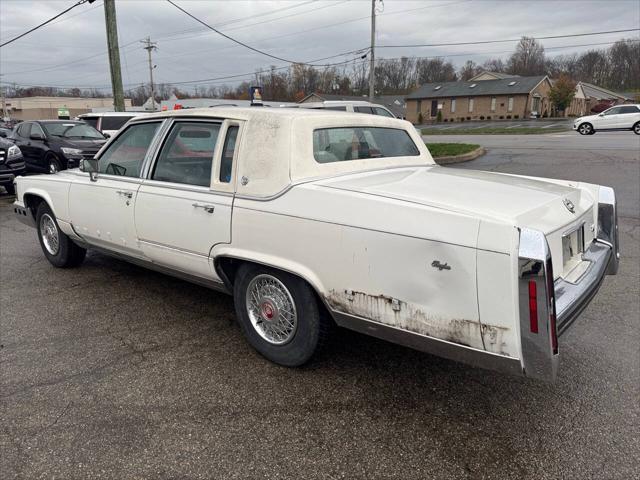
x,y
569,204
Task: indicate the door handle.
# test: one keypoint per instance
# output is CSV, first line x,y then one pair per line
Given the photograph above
x,y
206,208
125,193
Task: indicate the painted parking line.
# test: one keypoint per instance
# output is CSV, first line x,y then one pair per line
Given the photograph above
x,y
514,126
549,126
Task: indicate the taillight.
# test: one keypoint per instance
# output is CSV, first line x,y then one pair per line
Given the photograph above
x,y
533,306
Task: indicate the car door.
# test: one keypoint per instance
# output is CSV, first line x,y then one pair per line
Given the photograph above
x,y
102,208
628,116
21,138
184,206
608,119
38,146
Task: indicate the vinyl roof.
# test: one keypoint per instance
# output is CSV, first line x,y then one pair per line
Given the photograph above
x,y
504,86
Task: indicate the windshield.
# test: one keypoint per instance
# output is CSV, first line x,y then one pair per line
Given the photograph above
x,y
72,130
357,143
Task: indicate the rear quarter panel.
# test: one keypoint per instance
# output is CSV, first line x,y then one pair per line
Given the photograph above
x,y
360,253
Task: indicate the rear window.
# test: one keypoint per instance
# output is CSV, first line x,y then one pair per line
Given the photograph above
x,y
113,122
358,143
93,121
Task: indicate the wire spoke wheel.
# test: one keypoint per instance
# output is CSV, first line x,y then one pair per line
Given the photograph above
x,y
49,232
271,309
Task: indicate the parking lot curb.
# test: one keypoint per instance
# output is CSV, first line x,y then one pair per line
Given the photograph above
x,y
465,157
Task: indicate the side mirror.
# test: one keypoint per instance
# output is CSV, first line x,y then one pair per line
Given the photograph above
x,y
601,115
36,136
91,167
106,135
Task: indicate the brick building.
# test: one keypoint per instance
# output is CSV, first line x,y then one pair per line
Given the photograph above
x,y
487,96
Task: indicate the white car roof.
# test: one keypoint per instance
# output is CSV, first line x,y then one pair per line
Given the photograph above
x,y
112,114
277,144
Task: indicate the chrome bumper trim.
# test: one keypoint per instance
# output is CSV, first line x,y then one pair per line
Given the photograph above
x,y
572,299
434,346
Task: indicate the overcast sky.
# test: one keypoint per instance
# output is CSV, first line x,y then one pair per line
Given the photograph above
x,y
72,50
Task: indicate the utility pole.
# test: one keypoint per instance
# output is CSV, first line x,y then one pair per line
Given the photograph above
x,y
114,54
372,53
149,47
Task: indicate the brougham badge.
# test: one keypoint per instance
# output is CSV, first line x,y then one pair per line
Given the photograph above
x,y
440,266
569,204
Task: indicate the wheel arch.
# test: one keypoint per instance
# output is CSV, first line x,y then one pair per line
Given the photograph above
x,y
227,263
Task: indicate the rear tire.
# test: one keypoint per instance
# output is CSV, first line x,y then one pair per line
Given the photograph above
x,y
586,129
636,128
279,315
59,249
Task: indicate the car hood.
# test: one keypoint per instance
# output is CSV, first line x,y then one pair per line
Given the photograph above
x,y
83,144
518,200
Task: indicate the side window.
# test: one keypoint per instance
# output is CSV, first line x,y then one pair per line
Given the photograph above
x,y
613,111
187,155
24,130
125,155
629,109
226,162
363,110
382,112
35,128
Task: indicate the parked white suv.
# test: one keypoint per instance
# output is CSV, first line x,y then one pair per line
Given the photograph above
x,y
108,123
350,106
620,117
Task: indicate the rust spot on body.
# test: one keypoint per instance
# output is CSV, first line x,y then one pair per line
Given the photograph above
x,y
380,308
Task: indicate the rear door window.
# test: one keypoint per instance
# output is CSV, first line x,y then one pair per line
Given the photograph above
x,y
382,112
187,155
358,143
363,110
629,109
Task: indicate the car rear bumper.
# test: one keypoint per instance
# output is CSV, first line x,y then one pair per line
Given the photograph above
x,y
573,298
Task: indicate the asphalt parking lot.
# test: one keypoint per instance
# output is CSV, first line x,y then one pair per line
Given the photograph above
x,y
553,123
111,371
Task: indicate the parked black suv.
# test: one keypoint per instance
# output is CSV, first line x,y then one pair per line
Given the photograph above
x,y
11,165
52,145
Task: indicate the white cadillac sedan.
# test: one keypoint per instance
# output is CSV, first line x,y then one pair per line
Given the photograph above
x,y
313,217
620,117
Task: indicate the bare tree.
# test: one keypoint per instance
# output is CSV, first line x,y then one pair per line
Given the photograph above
x,y
528,59
468,70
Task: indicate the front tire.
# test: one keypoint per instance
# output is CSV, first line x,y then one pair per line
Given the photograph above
x,y
585,129
636,128
279,315
59,249
53,164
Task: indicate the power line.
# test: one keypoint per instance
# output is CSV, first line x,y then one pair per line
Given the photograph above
x,y
238,41
509,40
80,2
